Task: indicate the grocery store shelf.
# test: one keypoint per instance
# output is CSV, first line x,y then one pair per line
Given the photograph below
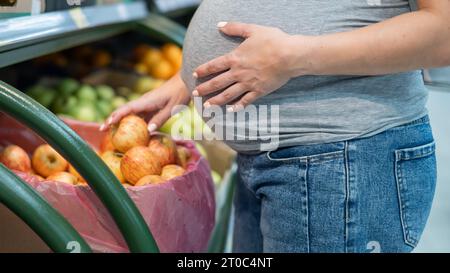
x,y
165,29
25,38
174,8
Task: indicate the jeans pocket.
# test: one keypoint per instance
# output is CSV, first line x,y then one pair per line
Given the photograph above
x,y
415,173
291,155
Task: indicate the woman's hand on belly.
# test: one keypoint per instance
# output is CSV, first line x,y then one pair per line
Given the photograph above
x,y
259,66
156,105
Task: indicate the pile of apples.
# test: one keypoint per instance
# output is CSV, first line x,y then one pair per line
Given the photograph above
x,y
45,164
140,158
134,156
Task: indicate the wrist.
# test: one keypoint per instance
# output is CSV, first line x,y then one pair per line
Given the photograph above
x,y
300,58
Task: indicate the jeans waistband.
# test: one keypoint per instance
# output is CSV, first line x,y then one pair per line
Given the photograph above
x,y
422,120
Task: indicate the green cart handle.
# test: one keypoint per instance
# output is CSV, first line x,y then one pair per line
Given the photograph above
x,y
90,166
48,224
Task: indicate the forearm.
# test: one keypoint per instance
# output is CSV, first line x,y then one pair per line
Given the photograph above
x,y
403,43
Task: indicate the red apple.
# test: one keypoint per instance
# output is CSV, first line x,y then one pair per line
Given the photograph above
x,y
73,171
183,156
112,160
46,161
171,171
63,177
150,179
15,158
131,132
139,162
106,144
164,147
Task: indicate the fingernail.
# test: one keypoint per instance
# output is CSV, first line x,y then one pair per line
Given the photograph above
x,y
238,107
195,75
221,24
207,105
109,121
230,109
195,93
152,127
102,127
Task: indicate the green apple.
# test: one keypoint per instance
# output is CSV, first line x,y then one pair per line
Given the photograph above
x,y
85,112
199,126
105,92
201,149
71,102
63,105
216,177
134,96
124,91
43,95
68,86
186,131
87,93
104,108
167,126
117,102
144,84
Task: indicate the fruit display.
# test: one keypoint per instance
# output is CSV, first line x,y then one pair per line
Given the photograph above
x,y
103,90
159,63
144,159
84,102
132,155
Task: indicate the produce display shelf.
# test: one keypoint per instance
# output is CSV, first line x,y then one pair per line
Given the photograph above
x,y
165,29
174,8
25,38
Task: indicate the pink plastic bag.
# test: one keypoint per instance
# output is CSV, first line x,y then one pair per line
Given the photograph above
x,y
180,212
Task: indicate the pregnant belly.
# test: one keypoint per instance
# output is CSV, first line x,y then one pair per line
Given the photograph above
x,y
204,42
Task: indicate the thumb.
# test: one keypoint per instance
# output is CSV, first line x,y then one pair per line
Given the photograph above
x,y
236,29
159,119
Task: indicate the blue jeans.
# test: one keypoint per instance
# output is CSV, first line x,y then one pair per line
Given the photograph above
x,y
365,195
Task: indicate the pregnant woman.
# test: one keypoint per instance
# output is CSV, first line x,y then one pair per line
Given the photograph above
x,y
354,167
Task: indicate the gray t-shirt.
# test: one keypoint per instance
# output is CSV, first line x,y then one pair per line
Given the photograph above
x,y
312,109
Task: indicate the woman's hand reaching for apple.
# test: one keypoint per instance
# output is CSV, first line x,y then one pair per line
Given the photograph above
x,y
156,105
261,64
